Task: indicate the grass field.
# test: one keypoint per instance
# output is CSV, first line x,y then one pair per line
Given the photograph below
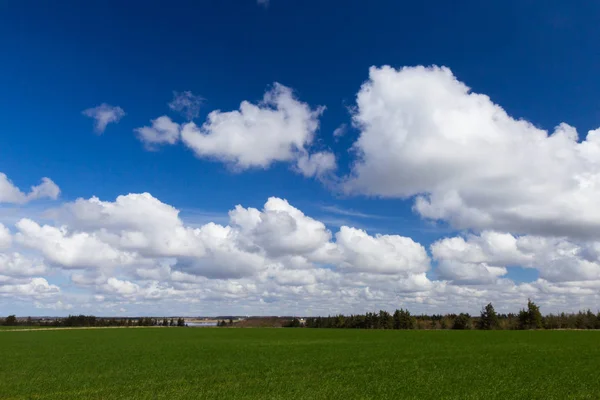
x,y
187,363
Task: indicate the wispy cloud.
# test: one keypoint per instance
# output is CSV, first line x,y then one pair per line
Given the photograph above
x,y
338,222
187,104
103,115
340,131
349,213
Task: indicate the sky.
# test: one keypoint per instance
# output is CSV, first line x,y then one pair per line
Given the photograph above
x,y
279,157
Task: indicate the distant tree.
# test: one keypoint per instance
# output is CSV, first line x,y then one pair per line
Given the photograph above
x,y
294,323
446,322
230,321
530,318
11,320
375,321
403,319
338,322
180,322
489,318
172,322
386,321
462,321
165,322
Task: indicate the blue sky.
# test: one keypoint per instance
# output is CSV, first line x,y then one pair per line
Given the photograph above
x,y
539,63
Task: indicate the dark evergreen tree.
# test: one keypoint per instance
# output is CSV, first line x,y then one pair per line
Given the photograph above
x,y
530,318
403,320
488,319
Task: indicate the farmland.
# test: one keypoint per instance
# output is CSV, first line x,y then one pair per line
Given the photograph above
x,y
171,363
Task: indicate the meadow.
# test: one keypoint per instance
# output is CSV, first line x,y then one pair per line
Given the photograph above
x,y
222,363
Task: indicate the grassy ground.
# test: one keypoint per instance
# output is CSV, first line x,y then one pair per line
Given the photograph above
x,y
190,363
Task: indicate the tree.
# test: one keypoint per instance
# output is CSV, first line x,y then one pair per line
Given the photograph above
x,y
530,318
181,322
386,321
403,319
11,320
489,318
462,321
339,321
295,323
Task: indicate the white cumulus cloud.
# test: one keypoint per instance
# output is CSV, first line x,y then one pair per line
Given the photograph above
x,y
424,133
9,193
278,129
163,131
5,237
33,288
15,265
481,258
70,249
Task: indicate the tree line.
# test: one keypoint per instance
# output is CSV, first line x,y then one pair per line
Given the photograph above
x,y
92,321
225,323
527,318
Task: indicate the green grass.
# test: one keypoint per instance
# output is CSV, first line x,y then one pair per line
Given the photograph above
x,y
188,363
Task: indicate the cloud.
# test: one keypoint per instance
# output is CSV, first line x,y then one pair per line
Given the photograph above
x,y
340,131
187,104
70,249
279,129
137,230
385,254
103,115
482,258
137,223
37,288
280,229
163,131
316,164
137,252
58,306
5,237
18,265
264,3
423,133
9,193
349,213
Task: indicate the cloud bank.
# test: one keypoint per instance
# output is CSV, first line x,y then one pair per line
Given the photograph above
x,y
136,253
